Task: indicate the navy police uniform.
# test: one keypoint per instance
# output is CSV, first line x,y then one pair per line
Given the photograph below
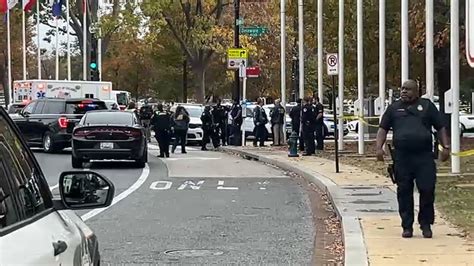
x,y
319,126
161,122
414,158
309,125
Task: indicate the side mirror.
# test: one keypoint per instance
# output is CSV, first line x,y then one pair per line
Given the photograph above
x,y
85,190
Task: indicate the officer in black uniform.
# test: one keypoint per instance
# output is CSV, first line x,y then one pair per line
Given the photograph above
x,y
236,117
219,116
411,120
161,122
319,124
308,119
208,128
295,115
260,119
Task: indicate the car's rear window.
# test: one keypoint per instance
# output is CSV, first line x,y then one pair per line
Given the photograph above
x,y
109,118
53,107
81,107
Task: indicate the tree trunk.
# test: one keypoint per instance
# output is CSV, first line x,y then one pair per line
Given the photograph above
x,y
201,90
443,76
185,80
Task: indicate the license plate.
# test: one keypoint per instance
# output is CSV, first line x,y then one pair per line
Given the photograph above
x,y
106,145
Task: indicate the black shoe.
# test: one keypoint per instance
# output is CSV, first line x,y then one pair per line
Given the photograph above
x,y
204,149
255,145
161,156
167,155
407,233
426,231
183,152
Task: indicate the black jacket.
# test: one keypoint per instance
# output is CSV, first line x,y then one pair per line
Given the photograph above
x,y
259,116
161,121
277,115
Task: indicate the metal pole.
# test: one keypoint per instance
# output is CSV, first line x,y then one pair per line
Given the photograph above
x,y
283,60
24,43
68,42
360,70
237,45
57,48
9,51
38,37
454,43
84,43
336,148
99,57
404,38
341,74
320,52
382,70
244,109
429,50
301,48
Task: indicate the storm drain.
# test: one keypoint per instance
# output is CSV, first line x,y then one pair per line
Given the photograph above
x,y
357,187
194,252
359,201
377,210
365,194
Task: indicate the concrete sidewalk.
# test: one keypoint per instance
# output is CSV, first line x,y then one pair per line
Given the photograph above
x,y
367,206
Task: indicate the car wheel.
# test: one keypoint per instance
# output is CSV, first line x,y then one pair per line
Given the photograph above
x,y
140,163
49,145
76,162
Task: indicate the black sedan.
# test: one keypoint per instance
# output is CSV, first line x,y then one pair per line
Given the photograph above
x,y
109,134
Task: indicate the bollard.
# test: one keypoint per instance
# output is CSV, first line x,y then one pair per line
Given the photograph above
x,y
293,145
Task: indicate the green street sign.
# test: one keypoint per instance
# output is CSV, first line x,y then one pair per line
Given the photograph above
x,y
253,31
239,22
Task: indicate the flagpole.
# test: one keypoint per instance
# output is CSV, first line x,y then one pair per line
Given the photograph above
x,y
57,48
38,37
9,58
24,43
84,38
68,42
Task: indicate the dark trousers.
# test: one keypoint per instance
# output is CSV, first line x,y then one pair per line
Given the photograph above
x,y
222,133
421,169
308,135
163,138
296,128
320,136
260,135
210,134
235,135
180,137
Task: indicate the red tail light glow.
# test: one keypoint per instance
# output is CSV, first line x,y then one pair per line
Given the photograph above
x,y
62,122
81,133
133,133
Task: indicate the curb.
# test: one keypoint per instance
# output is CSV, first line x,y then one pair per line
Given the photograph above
x,y
355,251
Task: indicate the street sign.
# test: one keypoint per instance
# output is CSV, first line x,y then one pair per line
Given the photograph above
x,y
253,72
237,53
332,64
242,71
470,32
235,63
253,31
239,22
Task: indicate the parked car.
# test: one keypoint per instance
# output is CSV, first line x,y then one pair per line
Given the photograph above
x,y
15,108
36,229
109,134
467,123
195,132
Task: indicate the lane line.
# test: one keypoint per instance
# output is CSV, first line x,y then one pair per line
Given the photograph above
x,y
143,177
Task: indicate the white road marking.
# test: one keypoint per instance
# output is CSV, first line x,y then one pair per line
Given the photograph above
x,y
143,177
191,184
193,158
53,187
156,147
221,186
167,185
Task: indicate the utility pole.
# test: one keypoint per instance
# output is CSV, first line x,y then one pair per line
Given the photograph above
x,y
185,79
236,93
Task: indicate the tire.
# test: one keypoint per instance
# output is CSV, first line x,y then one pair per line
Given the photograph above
x,y
49,146
140,163
76,162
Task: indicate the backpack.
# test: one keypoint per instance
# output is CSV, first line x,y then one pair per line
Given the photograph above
x,y
146,112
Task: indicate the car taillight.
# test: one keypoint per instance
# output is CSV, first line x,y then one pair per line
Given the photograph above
x,y
134,133
81,133
62,122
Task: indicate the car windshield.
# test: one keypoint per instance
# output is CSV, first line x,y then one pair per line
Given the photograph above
x,y
122,99
81,107
109,118
194,111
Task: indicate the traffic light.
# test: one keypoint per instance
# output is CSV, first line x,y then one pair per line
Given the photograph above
x,y
93,65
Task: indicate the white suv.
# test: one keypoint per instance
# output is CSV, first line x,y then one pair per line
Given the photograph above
x,y
36,229
195,132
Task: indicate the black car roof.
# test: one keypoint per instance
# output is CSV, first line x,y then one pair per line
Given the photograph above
x,y
69,99
109,111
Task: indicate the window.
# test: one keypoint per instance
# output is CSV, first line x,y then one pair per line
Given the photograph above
x,y
82,107
30,108
8,212
24,178
110,118
39,107
54,107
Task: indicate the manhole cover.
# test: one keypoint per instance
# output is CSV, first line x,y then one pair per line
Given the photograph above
x,y
364,194
194,252
359,201
377,210
358,188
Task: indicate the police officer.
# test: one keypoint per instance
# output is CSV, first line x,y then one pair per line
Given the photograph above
x,y
411,119
236,122
219,116
295,115
161,122
260,119
308,119
146,112
319,124
208,128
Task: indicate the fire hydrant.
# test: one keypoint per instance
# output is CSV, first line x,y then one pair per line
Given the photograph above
x,y
293,145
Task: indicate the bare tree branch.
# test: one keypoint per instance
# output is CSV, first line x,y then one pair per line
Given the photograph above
x,y
176,35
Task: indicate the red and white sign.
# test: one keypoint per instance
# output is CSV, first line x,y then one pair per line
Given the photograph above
x,y
253,72
470,32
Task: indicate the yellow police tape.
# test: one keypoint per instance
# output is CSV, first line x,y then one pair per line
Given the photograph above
x,y
459,154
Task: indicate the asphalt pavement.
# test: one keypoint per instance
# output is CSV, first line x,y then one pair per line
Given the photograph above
x,y
197,208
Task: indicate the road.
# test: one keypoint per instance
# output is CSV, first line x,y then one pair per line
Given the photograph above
x,y
200,208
